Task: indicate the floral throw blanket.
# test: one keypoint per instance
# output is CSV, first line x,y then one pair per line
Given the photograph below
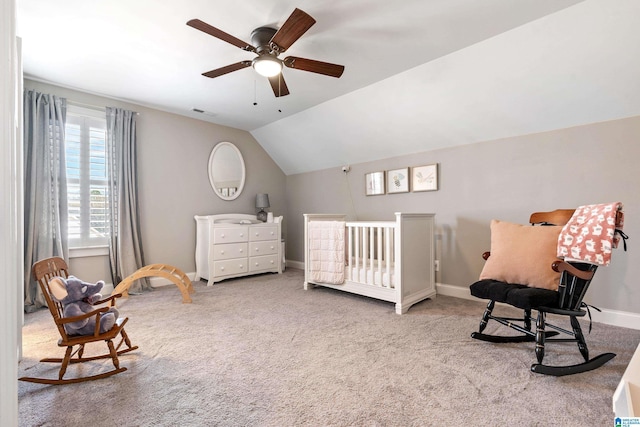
x,y
591,233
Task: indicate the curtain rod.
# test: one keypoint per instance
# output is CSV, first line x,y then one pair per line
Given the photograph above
x,y
93,107
80,104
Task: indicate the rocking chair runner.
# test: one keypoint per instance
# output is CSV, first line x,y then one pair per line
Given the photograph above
x,y
46,270
574,281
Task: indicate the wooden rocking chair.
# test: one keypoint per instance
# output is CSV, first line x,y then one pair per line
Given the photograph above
x,y
43,272
566,300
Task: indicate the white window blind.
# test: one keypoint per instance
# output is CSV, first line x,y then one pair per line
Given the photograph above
x,y
87,186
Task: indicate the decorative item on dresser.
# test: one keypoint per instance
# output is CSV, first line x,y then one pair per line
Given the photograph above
x,y
262,202
235,245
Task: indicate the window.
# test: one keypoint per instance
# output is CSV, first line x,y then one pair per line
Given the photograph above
x,y
87,185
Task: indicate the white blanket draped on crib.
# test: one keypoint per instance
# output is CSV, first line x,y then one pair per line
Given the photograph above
x,y
326,251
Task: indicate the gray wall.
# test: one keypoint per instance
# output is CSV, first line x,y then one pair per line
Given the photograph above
x,y
504,179
173,184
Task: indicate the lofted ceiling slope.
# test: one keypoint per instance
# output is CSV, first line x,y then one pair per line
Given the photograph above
x,y
420,75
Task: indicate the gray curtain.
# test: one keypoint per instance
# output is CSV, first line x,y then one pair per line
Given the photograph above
x,y
125,246
45,187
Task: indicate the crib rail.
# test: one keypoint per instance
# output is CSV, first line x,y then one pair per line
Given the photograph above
x,y
370,252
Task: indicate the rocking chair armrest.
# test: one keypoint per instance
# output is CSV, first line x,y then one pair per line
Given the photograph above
x,y
486,255
560,266
110,298
92,313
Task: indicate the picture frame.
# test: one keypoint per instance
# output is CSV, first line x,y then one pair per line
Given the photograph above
x,y
398,180
424,178
374,183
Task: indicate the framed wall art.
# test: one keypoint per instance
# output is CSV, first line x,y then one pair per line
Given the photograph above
x,y
374,183
398,180
424,178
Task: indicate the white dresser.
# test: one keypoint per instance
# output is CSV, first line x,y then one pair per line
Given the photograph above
x,y
234,245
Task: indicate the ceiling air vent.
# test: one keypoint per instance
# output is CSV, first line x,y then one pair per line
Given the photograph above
x,y
198,110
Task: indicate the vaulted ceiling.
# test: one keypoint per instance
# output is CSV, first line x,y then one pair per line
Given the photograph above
x,y
419,74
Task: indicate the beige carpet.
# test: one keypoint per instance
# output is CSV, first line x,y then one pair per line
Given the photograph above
x,y
261,351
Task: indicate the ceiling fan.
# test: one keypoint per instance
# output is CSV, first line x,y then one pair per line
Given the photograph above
x,y
268,43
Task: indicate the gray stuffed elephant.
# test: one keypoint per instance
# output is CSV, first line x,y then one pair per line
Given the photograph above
x,y
77,298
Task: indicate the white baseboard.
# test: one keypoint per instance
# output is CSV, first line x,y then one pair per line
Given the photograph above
x,y
295,264
454,291
617,318
623,319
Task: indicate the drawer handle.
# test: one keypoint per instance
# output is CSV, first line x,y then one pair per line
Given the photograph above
x,y
221,252
241,234
271,247
241,250
241,266
257,234
221,268
257,264
222,235
272,233
257,249
271,261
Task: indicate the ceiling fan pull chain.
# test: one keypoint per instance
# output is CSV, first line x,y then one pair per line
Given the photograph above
x,y
255,96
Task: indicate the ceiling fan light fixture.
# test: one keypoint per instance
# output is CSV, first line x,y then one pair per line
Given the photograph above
x,y
267,65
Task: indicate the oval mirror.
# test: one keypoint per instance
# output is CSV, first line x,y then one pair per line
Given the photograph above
x,y
226,171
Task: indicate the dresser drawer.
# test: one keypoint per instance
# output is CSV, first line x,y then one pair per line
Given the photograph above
x,y
263,263
228,251
263,233
230,235
230,266
263,248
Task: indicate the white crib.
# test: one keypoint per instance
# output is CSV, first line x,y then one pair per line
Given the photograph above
x,y
387,260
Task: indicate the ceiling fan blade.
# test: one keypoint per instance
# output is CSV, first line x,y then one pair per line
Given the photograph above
x,y
278,85
213,31
293,28
228,69
325,68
